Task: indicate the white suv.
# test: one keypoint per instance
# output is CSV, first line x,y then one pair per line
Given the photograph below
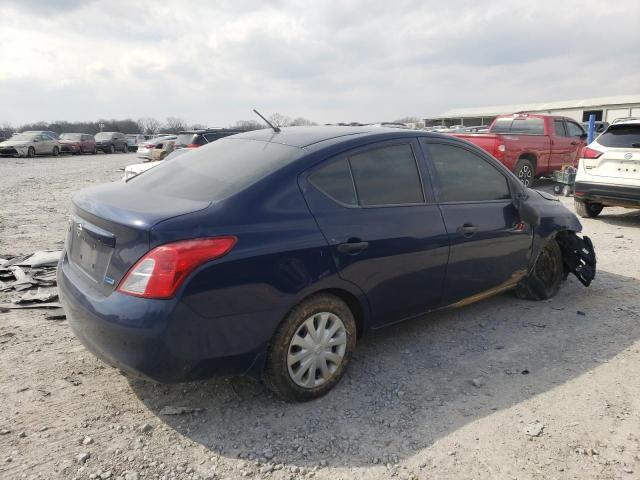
x,y
609,170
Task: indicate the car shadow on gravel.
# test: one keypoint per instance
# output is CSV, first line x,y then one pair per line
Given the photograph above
x,y
416,382
630,218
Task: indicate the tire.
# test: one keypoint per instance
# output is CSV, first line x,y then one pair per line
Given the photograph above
x,y
112,149
557,188
292,379
31,152
543,282
56,151
95,151
125,148
525,171
587,210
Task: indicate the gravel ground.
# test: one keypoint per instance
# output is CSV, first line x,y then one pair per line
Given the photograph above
x,y
504,388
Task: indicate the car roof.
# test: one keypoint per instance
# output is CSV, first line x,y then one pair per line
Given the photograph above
x,y
305,136
632,121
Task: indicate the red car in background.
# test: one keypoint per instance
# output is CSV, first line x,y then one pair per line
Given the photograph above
x,y
77,143
531,145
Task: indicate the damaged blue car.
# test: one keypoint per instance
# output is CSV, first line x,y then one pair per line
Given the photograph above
x,y
270,253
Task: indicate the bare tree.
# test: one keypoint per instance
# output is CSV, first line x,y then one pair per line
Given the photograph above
x,y
248,125
149,125
198,126
407,120
279,120
174,125
301,122
6,130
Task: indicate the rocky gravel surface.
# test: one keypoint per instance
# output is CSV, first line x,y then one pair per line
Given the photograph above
x,y
504,388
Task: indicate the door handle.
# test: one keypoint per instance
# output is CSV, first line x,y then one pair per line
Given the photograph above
x,y
352,247
467,230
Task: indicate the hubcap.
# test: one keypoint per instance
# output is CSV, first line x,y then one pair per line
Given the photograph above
x,y
316,350
525,175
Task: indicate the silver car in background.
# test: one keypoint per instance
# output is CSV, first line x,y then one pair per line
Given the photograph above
x,y
145,149
30,145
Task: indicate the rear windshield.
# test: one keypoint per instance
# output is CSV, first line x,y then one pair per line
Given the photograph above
x,y
526,125
217,170
621,136
70,136
185,139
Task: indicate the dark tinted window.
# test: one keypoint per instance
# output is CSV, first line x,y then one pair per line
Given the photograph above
x,y
335,180
558,126
185,139
621,136
502,125
574,129
533,126
387,176
466,177
528,125
217,170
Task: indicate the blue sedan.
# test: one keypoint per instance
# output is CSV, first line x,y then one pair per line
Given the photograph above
x,y
270,253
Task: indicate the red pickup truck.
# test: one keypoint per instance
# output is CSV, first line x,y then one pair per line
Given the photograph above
x,y
531,145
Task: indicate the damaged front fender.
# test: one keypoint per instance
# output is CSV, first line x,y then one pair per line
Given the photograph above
x,y
578,256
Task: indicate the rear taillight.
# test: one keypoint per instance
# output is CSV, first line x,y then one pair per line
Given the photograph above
x,y
499,151
161,271
193,145
590,153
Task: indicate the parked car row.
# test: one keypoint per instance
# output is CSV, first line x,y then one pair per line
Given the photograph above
x,y
32,143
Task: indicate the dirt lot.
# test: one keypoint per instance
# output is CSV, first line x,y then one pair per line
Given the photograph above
x,y
448,396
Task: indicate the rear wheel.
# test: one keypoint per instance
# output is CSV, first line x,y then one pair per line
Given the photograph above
x,y
525,171
31,152
112,149
587,209
56,151
544,280
311,349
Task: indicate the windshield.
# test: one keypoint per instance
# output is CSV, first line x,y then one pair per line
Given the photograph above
x,y
217,170
185,139
23,137
621,136
103,136
71,136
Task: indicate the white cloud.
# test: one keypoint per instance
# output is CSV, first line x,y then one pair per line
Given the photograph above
x,y
328,61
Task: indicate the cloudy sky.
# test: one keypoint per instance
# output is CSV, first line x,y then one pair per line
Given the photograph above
x,y
327,61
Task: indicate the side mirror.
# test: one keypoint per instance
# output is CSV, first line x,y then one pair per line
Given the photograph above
x,y
36,140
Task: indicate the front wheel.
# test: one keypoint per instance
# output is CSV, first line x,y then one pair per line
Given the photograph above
x,y
525,171
543,282
311,349
56,151
588,210
31,152
112,149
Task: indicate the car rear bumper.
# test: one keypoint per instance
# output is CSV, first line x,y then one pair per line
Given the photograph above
x,y
162,340
608,194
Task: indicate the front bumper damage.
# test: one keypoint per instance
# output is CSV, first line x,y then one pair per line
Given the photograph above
x,y
578,256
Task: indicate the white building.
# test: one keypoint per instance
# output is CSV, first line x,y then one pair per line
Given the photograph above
x,y
605,108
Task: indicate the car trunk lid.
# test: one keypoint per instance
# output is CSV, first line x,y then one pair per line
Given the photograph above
x,y
615,163
110,230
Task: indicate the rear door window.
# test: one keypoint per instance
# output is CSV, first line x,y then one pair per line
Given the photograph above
x,y
335,181
621,136
464,176
387,176
558,126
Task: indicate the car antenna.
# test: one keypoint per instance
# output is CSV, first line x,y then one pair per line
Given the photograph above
x,y
275,129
